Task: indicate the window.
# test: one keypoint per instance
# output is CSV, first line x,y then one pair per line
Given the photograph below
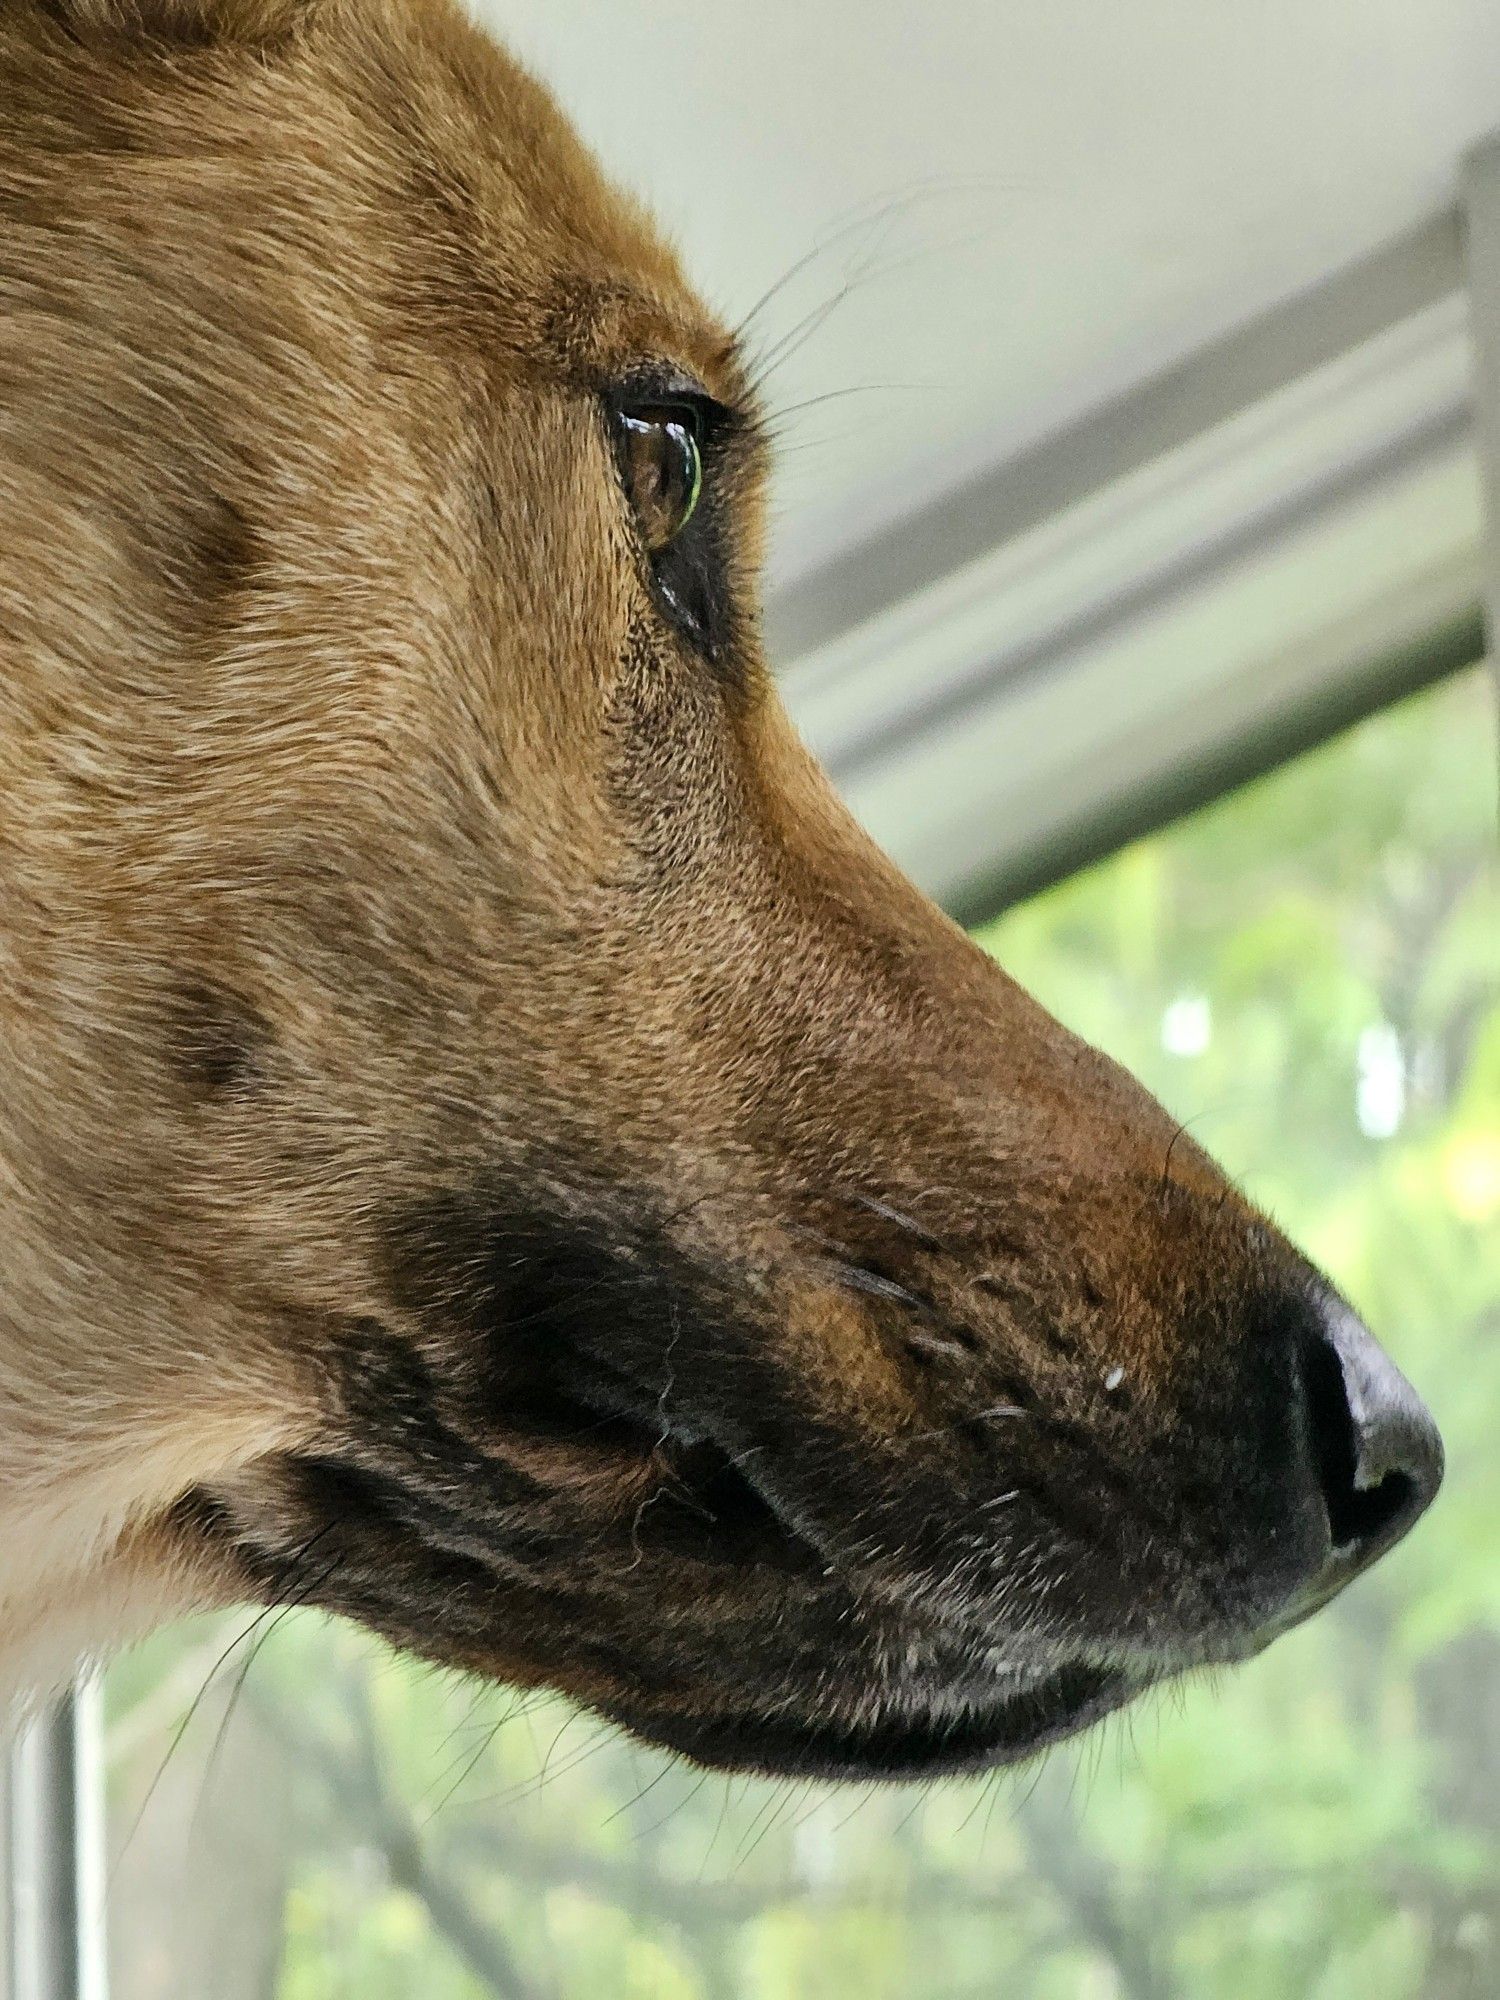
x,y
1305,972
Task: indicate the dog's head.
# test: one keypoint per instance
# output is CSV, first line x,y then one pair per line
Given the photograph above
x,y
529,1174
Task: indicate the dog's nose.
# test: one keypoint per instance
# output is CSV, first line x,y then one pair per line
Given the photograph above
x,y
1375,1449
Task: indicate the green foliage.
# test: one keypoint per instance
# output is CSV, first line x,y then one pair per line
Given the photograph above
x,y
1304,973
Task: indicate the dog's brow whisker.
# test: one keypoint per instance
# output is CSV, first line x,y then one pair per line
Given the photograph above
x,y
801,331
866,218
783,411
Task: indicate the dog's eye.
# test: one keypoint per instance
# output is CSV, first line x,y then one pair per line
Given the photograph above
x,y
662,468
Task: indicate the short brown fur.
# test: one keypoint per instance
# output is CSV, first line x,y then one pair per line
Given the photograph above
x,y
435,1001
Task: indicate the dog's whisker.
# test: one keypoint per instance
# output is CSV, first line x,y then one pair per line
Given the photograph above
x,y
272,1612
934,1343
901,1220
998,1411
858,1278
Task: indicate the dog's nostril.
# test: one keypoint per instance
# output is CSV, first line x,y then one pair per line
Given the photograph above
x,y
1377,1452
1355,1513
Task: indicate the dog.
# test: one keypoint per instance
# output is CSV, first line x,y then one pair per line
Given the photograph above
x,y
487,1145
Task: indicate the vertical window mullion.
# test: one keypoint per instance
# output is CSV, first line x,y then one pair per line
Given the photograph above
x,y
1481,208
53,1854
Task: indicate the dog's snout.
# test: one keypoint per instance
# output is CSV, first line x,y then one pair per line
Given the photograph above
x,y
1375,1449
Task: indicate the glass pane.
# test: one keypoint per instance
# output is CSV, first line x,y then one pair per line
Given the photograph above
x,y
1305,973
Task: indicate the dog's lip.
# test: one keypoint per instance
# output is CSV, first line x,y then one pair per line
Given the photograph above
x,y
709,1505
968,1720
981,1733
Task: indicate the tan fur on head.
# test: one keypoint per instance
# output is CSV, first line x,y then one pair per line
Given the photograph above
x,y
486,1145
183,21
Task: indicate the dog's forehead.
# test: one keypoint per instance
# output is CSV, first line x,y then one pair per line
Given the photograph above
x,y
385,162
573,270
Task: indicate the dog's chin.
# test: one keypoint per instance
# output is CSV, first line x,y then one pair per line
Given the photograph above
x,y
707,1619
948,1712
810,1677
908,1739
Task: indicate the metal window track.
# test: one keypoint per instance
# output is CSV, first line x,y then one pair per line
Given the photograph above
x,y
1246,552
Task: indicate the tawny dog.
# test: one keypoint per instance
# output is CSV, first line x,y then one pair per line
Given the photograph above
x,y
486,1146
